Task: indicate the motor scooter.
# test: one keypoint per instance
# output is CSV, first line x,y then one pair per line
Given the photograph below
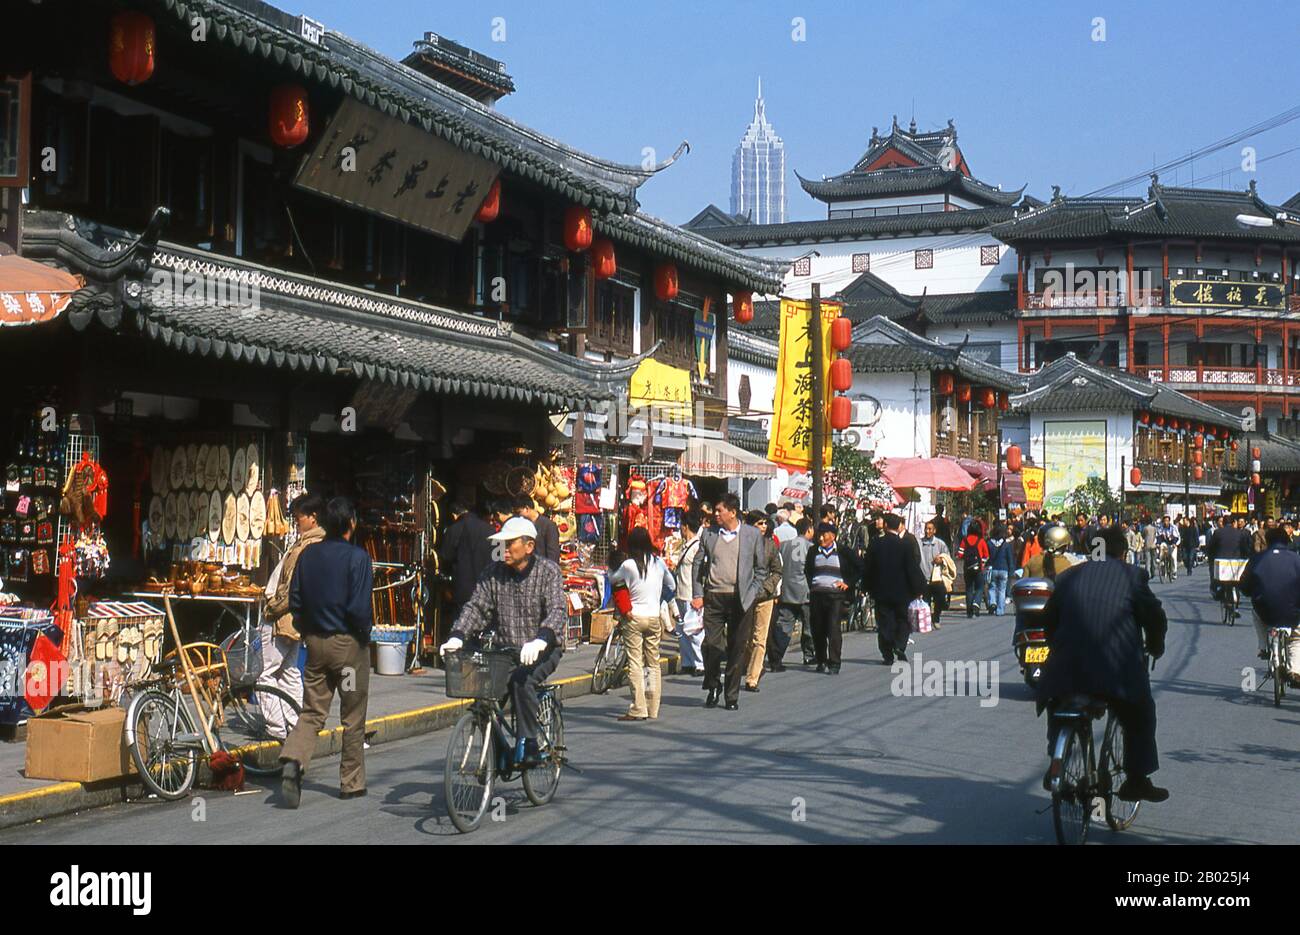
x,y
1030,638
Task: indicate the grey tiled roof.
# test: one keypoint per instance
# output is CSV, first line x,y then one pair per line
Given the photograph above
x,y
884,346
869,295
907,181
750,347
797,232
1277,455
747,434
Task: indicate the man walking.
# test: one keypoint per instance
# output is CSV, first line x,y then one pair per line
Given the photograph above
x,y
893,580
690,633
792,606
728,580
831,570
548,534
464,553
329,598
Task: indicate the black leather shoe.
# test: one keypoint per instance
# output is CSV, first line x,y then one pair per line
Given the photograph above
x,y
733,706
712,700
821,667
777,668
1141,790
291,784
832,670
900,657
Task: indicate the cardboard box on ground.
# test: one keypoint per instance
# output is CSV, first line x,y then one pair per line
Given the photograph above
x,y
78,746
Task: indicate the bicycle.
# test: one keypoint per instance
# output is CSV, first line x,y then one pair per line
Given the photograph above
x,y
1168,564
484,749
160,731
1278,668
1077,776
610,668
1226,573
862,615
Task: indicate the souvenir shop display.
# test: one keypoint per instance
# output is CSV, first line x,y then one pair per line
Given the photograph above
x,y
29,515
114,643
32,662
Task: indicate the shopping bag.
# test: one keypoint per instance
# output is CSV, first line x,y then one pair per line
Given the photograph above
x,y
918,615
692,621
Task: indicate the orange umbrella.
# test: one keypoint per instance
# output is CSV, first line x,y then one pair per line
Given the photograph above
x,y
31,292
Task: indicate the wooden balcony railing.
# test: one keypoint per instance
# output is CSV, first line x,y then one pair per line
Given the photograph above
x,y
1244,377
1171,472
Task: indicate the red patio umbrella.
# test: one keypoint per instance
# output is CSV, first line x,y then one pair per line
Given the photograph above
x,y
31,292
926,474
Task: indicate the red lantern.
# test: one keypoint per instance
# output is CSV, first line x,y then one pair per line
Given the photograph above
x,y
988,398
666,282
1199,441
577,228
491,206
1160,421
963,392
131,47
841,333
1013,459
1004,401
841,375
602,258
1200,427
1173,424
1254,453
841,413
1197,457
743,303
1135,477
1254,480
1145,418
1198,472
289,118
946,384
1234,446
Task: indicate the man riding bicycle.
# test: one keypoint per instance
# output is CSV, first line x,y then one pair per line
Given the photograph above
x,y
1168,538
1096,621
1229,541
1272,580
521,598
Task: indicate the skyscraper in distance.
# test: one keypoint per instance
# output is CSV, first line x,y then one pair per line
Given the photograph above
x,y
758,170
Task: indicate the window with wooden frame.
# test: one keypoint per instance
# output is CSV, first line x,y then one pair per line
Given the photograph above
x,y
674,325
611,327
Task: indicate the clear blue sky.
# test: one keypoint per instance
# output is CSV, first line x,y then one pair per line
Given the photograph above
x,y
1035,99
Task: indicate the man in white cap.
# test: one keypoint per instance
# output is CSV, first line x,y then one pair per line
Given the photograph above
x,y
524,595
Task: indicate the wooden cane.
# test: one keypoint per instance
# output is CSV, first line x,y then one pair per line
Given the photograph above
x,y
189,674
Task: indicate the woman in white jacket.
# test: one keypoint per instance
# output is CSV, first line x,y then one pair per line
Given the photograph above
x,y
645,575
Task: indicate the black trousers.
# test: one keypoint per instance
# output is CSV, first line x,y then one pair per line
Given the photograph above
x,y
728,628
892,629
827,607
523,690
937,595
782,630
1141,758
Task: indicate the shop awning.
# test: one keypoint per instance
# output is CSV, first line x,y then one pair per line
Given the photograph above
x,y
32,293
925,474
982,471
712,457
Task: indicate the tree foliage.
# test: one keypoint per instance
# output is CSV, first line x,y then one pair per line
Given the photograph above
x,y
853,477
1092,498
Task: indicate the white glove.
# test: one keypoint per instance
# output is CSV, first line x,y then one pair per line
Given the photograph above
x,y
529,652
450,646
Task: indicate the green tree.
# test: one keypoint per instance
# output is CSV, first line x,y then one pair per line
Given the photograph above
x,y
1092,498
854,477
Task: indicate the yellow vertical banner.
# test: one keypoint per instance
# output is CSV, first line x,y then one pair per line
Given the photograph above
x,y
790,441
1031,478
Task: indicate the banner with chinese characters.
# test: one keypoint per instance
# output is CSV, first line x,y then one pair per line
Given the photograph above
x,y
790,442
386,166
1031,478
666,389
1225,294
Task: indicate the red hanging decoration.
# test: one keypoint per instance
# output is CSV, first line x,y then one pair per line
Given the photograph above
x,y
841,413
1135,477
1254,480
603,261
1160,421
44,670
290,121
1198,472
131,46
988,399
1254,453
577,228
1145,418
743,305
1173,424
946,384
491,206
963,392
1197,457
665,282
841,333
1200,427
841,375
1013,459
1234,445
1199,441
1004,401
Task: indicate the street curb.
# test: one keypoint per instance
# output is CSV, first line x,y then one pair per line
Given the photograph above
x,y
64,798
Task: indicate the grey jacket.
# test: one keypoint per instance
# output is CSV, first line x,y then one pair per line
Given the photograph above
x,y
794,580
753,569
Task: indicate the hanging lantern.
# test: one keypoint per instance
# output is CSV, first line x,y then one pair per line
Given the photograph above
x,y
1197,457
1254,466
841,375
946,384
1199,441
963,392
666,282
1004,401
1254,480
131,47
602,258
1173,424
1198,472
1013,459
1200,427
289,119
1145,418
1234,445
1254,453
491,206
841,333
743,304
841,412
577,228
1160,421
988,398
1135,477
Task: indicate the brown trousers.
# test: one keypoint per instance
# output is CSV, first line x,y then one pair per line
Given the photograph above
x,y
758,643
335,663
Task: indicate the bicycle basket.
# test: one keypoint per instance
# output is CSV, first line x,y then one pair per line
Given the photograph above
x,y
483,675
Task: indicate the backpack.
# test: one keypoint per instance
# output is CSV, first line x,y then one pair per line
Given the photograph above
x,y
970,557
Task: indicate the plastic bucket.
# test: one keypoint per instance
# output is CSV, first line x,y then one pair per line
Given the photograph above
x,y
390,658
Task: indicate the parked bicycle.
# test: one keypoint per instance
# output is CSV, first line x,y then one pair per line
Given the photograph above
x,y
1079,777
610,668
862,616
485,747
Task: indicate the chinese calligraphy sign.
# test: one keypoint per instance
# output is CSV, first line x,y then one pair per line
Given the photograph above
x,y
791,441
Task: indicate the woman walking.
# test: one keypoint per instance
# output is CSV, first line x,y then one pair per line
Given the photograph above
x,y
973,553
646,577
939,570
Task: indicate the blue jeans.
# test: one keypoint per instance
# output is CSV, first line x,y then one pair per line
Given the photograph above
x,y
998,589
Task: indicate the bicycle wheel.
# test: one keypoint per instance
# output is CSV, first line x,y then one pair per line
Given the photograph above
x,y
469,772
1277,657
247,725
540,782
600,669
616,675
1236,602
1071,800
164,750
1227,612
1120,814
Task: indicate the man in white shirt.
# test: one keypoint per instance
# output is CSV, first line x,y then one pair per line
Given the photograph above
x,y
690,622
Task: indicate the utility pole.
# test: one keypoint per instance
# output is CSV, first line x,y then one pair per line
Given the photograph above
x,y
1187,482
818,401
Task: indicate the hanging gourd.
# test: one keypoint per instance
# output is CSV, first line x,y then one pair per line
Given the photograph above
x,y
603,262
131,45
841,375
290,121
665,282
841,412
1013,459
491,206
743,304
841,333
946,384
1135,477
577,228
963,392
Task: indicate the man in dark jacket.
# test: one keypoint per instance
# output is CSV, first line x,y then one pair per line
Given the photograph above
x,y
1096,621
831,569
1188,539
1228,541
330,602
893,579
548,534
1272,581
465,552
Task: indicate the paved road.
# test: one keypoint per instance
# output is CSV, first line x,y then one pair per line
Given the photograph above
x,y
868,766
